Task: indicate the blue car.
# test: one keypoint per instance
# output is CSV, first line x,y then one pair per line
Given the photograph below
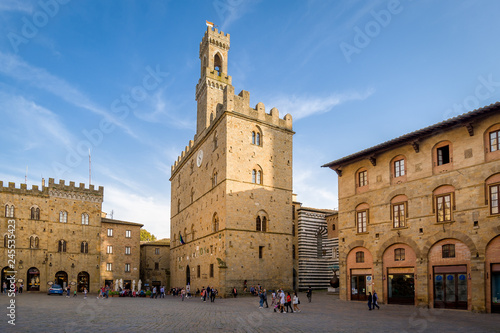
x,y
55,289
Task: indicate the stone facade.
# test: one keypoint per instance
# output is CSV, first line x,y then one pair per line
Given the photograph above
x,y
418,216
57,231
317,252
155,263
231,188
120,252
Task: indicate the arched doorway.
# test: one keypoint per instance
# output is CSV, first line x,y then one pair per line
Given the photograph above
x,y
399,266
33,279
6,272
493,274
360,273
83,281
61,279
188,275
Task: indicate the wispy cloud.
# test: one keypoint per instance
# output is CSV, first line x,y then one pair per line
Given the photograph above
x,y
16,68
163,111
153,211
229,11
38,123
16,6
304,106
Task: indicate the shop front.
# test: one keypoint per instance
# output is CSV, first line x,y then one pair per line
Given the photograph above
x,y
61,278
401,286
450,287
83,281
495,288
33,279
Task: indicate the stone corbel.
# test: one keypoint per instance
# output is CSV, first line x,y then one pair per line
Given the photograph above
x,y
373,160
470,129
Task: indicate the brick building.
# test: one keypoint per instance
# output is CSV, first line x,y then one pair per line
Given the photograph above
x,y
120,252
57,231
419,218
231,188
155,263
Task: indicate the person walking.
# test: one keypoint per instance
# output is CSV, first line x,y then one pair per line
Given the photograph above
x,y
68,291
375,300
212,295
288,302
85,293
261,299
370,300
264,297
273,298
183,294
282,301
309,293
296,302
235,292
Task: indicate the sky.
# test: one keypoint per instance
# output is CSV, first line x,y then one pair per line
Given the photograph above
x,y
118,78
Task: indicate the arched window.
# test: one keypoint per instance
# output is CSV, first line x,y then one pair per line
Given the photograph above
x,y
253,138
214,179
9,210
215,222
399,211
61,246
362,177
362,211
254,176
257,175
264,224
218,64
63,216
34,242
257,137
261,221
444,203
84,248
85,218
35,213
258,224
216,143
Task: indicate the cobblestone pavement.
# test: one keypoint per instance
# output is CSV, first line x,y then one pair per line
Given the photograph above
x,y
326,313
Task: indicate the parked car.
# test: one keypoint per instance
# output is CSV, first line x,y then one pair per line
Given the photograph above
x,y
55,289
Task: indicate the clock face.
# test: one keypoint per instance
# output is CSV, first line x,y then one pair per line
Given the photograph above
x,y
199,158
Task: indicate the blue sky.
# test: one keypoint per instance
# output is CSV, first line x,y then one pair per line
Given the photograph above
x,y
351,73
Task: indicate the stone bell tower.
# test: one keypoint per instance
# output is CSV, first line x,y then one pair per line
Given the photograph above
x,y
214,49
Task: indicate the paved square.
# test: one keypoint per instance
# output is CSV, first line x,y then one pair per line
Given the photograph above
x,y
326,313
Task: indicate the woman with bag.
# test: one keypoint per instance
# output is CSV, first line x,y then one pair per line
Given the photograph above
x,y
296,302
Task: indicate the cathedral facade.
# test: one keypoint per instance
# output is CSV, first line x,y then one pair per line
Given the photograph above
x,y
231,188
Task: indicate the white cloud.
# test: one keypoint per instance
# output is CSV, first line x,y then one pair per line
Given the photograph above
x,y
310,192
153,211
301,107
35,124
16,68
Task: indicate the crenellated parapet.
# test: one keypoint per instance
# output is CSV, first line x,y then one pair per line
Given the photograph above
x,y
60,190
216,38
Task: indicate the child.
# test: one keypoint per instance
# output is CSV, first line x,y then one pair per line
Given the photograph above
x,y
74,293
85,293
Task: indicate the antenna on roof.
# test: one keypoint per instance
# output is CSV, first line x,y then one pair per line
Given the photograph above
x,y
112,211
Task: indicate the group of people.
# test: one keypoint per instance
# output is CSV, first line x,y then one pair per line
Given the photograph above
x,y
18,287
284,302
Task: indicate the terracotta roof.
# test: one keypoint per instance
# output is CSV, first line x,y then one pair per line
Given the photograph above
x,y
106,220
415,136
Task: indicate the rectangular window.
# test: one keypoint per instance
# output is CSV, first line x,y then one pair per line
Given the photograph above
x,y
443,204
198,271
157,266
293,212
127,249
293,251
494,142
399,168
448,251
261,251
157,250
399,254
128,233
360,257
398,215
109,250
109,267
211,270
127,268
494,189
443,155
363,178
110,232
361,221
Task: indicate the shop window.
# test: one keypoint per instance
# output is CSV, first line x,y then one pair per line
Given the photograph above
x,y
448,251
399,254
360,257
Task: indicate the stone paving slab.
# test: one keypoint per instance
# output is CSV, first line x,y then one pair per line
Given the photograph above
x,y
326,313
